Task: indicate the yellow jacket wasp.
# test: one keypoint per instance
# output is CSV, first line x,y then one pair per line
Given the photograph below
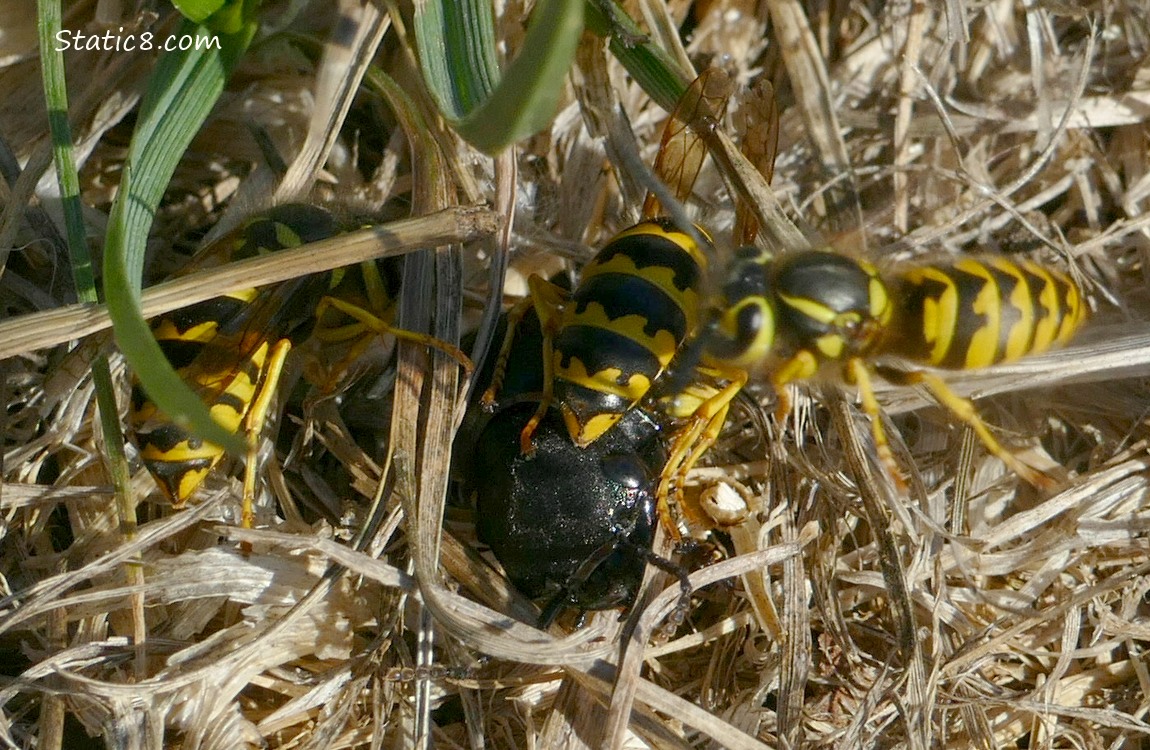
x,y
792,315
231,349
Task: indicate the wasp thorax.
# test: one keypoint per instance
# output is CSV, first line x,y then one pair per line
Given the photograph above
x,y
833,301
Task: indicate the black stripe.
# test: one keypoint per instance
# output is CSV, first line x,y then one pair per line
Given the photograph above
x,y
585,402
652,250
600,349
169,473
968,321
167,436
180,353
622,295
232,401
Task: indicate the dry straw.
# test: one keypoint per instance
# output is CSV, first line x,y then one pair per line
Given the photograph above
x,y
970,611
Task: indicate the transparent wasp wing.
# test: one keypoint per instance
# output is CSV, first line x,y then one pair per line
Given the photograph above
x,y
219,343
682,148
759,117
271,315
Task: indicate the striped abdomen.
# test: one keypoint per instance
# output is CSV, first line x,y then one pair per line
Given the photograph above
x,y
636,303
978,312
220,347
178,460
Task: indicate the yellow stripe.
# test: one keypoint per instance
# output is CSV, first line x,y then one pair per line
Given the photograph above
x,y
811,308
939,314
1075,311
660,277
982,350
880,305
604,381
681,239
203,333
1018,340
285,237
662,345
1047,330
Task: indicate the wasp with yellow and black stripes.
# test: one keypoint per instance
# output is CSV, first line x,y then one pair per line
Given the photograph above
x,y
801,312
608,345
795,313
565,453
792,315
231,349
637,301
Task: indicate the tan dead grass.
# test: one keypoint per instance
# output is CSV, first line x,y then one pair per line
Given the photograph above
x,y
976,613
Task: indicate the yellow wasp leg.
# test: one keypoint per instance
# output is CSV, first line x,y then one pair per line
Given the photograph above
x,y
376,324
857,373
801,366
965,411
353,332
550,304
254,425
695,439
526,444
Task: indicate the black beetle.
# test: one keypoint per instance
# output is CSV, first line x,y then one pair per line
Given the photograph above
x,y
574,524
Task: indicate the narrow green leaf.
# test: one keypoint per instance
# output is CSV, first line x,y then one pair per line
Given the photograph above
x,y
181,93
56,99
222,16
652,67
456,40
457,54
198,11
528,95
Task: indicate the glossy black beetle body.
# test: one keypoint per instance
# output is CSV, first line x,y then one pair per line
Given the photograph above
x,y
574,524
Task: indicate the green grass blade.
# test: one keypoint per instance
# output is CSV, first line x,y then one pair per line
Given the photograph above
x,y
181,93
222,16
652,67
56,100
197,11
528,94
457,53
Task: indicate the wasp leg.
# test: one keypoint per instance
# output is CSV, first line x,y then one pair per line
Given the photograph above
x,y
965,411
526,444
695,439
254,425
549,302
801,366
353,332
857,373
375,323
499,371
